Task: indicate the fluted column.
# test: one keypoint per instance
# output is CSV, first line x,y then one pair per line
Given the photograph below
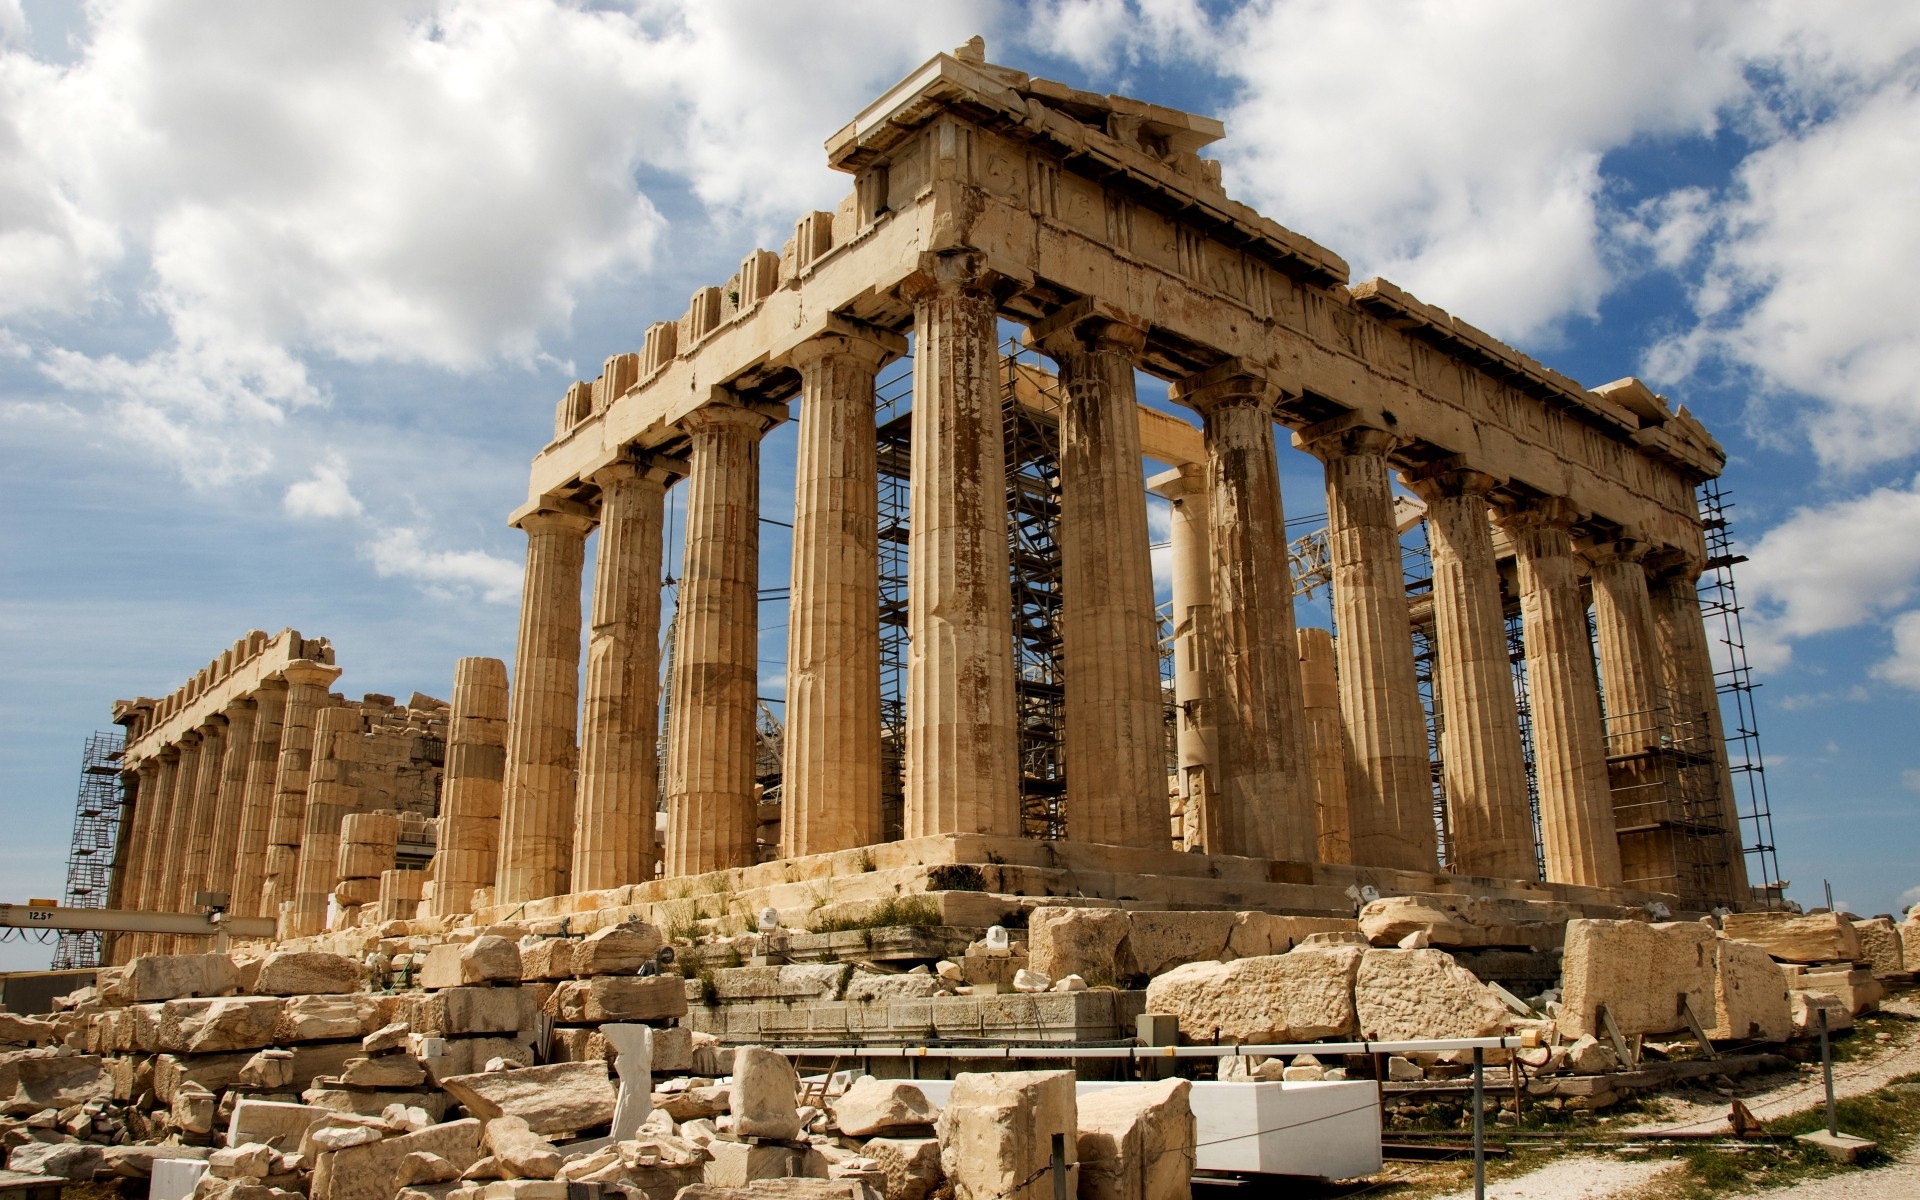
x,y
1569,745
1266,797
1389,776
613,841
171,840
231,797
464,858
307,683
711,813
152,816
830,779
1116,762
536,807
1688,662
963,769
1193,673
1326,744
332,793
256,806
1482,763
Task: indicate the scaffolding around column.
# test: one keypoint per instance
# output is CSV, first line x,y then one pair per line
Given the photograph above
x,y
96,837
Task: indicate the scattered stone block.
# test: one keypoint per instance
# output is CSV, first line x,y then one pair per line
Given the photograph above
x,y
618,998
1083,941
1639,971
1910,939
911,1166
617,950
34,1080
325,1017
1303,995
275,1123
1588,1055
520,1152
76,1161
1137,1142
1455,923
366,1172
1881,948
1407,995
546,958
1749,995
997,1130
219,1025
171,976
421,1167
693,1104
734,1164
489,959
386,1071
307,973
557,1098
764,1099
385,1039
1815,938
253,1160
458,1011
25,1031
1840,1147
881,1106
1854,987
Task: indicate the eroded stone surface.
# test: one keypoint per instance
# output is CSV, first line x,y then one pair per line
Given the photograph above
x,y
557,1098
1406,995
1137,1142
764,1096
1301,996
1749,994
296,973
1815,938
1639,971
881,1106
997,1130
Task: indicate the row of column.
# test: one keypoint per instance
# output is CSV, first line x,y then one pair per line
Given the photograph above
x,y
1266,758
203,807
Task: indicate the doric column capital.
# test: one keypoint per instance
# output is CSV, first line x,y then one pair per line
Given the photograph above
x,y
1182,483
848,339
215,724
1234,383
1544,512
189,739
1448,480
1088,325
950,271
557,516
1607,551
1346,436
238,707
306,671
657,470
168,753
720,416
1673,566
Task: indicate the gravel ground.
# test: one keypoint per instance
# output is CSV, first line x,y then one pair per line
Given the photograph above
x,y
1580,1178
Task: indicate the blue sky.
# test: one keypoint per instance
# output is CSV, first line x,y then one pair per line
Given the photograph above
x,y
288,293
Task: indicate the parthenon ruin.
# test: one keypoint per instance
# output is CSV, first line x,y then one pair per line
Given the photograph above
x,y
1279,767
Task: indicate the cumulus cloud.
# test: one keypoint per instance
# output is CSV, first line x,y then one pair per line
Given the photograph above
x,y
445,574
326,493
1904,667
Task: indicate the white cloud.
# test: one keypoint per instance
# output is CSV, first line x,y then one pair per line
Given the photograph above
x,y
1833,567
1904,667
444,574
1910,780
1909,898
325,493
1800,291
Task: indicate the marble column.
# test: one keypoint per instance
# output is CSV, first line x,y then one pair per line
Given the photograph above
x,y
1649,810
1389,776
1482,762
536,807
256,806
151,816
1688,663
464,858
1115,732
170,840
1266,797
613,838
712,816
963,744
307,683
1569,744
1185,488
332,793
1326,744
830,779
231,798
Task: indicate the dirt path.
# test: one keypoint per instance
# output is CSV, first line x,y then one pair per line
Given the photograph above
x,y
1582,1178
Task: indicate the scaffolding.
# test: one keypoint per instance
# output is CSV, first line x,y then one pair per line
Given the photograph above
x,y
1734,685
893,401
96,838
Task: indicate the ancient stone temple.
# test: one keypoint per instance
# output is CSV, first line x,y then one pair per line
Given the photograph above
x,y
250,781
980,197
1535,718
